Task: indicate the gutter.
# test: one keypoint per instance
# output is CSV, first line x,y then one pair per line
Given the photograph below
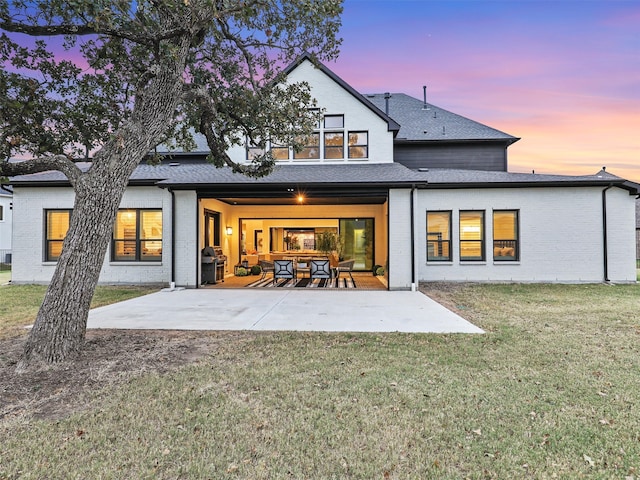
x,y
605,246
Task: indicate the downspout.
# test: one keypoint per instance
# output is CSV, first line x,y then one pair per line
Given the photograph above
x,y
605,245
172,285
413,240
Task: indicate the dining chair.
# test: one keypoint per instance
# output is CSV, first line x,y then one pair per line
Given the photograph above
x,y
345,266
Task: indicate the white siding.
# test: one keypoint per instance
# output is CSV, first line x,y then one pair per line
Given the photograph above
x,y
561,234
5,223
29,265
186,242
399,274
333,99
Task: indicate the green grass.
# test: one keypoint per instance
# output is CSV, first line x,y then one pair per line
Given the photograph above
x,y
19,304
5,276
550,391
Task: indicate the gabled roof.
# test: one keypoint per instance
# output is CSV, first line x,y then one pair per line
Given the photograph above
x,y
6,190
426,122
392,124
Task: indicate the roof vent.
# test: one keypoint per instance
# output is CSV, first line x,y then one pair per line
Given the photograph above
x,y
387,96
423,169
424,95
174,164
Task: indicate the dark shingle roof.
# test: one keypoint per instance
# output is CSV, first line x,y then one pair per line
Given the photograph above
x,y
381,173
198,174
433,123
465,178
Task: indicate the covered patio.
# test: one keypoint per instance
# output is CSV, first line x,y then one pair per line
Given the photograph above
x,y
361,281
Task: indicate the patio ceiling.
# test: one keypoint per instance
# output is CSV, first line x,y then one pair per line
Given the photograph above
x,y
290,196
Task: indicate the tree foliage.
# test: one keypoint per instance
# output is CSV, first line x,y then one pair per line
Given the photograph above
x,y
69,95
112,79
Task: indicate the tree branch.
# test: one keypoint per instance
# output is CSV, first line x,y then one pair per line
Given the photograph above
x,y
60,163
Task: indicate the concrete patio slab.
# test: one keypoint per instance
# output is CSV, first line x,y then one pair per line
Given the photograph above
x,y
273,309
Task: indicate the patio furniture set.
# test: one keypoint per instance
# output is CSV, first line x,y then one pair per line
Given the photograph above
x,y
317,268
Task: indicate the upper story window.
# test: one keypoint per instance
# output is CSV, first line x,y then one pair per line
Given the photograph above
x,y
1,213
505,236
333,121
311,149
358,144
279,152
56,225
333,145
330,141
253,151
439,236
472,236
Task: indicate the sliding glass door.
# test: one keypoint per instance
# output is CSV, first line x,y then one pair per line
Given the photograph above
x,y
357,237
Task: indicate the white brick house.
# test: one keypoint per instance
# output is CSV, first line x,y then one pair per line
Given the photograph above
x,y
406,184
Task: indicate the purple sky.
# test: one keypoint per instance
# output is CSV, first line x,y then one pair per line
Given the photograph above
x,y
562,75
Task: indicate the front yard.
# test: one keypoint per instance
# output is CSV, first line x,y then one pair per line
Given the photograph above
x,y
549,391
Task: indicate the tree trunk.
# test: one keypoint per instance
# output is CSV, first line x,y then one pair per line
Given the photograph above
x,y
60,325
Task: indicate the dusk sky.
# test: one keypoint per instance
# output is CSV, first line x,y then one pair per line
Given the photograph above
x,y
564,76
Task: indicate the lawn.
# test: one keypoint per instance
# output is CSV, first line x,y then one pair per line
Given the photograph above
x,y
19,304
550,391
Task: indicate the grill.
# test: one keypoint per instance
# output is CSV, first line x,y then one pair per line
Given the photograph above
x,y
213,265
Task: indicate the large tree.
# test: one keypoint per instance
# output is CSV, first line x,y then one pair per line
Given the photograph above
x,y
109,80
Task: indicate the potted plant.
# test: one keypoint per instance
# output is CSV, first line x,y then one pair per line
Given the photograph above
x,y
326,242
256,270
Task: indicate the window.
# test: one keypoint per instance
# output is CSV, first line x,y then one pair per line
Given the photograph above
x,y
333,121
358,144
56,224
505,236
438,236
1,213
253,152
137,236
334,145
311,149
472,235
279,152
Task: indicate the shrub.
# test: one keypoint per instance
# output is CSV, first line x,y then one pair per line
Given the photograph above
x,y
242,272
256,270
